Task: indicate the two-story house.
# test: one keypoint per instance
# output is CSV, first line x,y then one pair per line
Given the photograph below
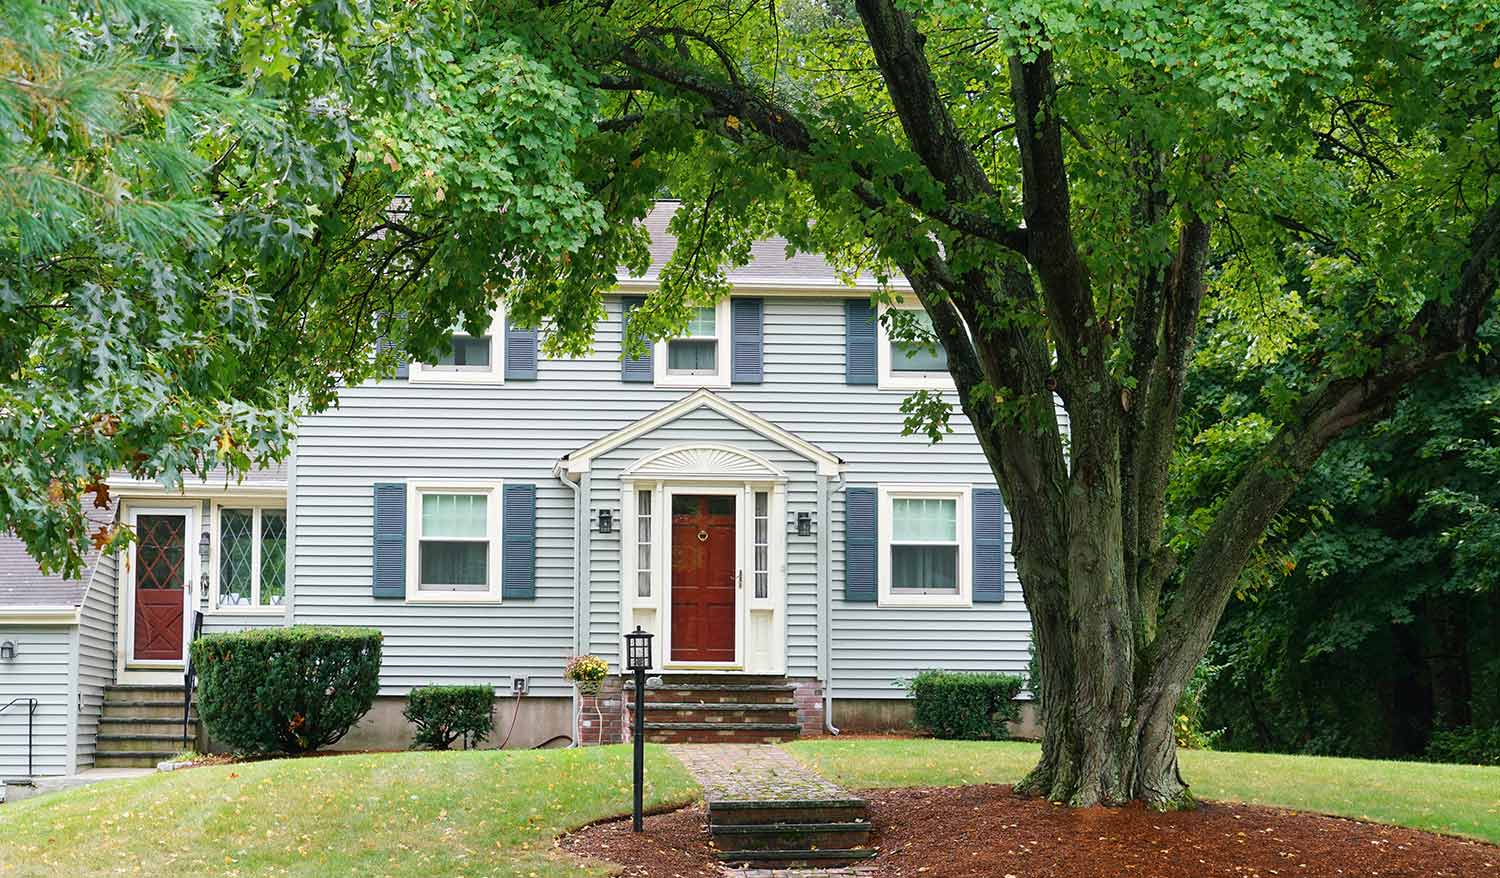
x,y
743,492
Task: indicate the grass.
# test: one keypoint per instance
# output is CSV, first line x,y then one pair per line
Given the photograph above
x,y
1457,799
477,813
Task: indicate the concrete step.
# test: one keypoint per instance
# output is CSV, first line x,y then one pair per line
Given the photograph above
x,y
147,709
741,813
744,693
720,732
790,836
726,712
150,727
137,693
795,859
134,758
169,743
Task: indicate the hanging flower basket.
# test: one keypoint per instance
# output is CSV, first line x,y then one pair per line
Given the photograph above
x,y
587,672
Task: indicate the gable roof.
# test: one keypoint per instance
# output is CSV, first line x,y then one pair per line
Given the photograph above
x,y
24,585
580,460
769,268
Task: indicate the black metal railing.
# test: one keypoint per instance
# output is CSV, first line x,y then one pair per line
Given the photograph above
x,y
31,706
189,678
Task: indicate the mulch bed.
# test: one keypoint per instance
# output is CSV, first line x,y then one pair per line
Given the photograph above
x,y
983,831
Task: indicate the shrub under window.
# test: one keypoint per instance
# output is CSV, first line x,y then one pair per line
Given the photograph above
x,y
286,690
444,714
965,706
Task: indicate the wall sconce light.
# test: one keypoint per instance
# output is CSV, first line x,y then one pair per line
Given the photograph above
x,y
804,524
205,545
606,521
8,651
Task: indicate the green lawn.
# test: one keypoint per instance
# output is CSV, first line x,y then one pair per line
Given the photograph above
x,y
1459,799
479,813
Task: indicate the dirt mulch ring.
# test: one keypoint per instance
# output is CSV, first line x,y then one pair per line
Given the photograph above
x,y
983,831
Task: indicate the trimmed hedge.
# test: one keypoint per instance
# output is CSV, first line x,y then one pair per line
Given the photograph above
x,y
1472,745
965,706
286,690
443,714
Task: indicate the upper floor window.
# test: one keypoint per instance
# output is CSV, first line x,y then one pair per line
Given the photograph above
x,y
924,546
477,359
700,356
912,365
251,546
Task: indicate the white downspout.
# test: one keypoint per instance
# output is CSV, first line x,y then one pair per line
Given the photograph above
x,y
562,476
825,599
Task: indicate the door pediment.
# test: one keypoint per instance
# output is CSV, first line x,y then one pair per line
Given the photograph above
x,y
701,462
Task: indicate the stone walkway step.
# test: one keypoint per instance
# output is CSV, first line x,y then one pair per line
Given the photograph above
x,y
767,810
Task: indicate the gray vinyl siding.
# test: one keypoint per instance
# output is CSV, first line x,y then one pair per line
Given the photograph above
x,y
96,655
42,669
400,431
221,622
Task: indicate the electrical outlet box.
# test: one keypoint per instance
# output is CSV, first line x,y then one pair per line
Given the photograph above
x,y
520,685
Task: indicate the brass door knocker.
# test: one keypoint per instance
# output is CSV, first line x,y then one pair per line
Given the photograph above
x,y
702,535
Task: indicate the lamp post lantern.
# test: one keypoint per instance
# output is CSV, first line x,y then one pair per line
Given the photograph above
x,y
638,660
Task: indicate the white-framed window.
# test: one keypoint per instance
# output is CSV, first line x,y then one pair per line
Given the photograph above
x,y
762,545
907,365
925,546
249,559
700,356
453,542
470,359
643,540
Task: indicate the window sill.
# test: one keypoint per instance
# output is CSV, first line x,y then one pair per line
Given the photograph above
x,y
713,382
919,601
470,378
911,382
246,611
436,599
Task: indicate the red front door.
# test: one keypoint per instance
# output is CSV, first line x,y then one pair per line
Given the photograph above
x,y
703,587
160,577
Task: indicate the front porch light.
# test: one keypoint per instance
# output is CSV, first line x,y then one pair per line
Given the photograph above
x,y
638,650
804,524
8,651
606,521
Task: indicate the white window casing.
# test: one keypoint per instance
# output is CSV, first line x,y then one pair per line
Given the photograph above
x,y
492,372
932,519
699,336
254,521
889,371
451,523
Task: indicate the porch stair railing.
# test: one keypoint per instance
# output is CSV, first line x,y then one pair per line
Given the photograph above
x,y
31,708
190,678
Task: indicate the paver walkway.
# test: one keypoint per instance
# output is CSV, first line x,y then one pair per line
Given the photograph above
x,y
762,773
753,772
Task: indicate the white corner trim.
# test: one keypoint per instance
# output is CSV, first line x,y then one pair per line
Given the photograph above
x,y
580,461
419,373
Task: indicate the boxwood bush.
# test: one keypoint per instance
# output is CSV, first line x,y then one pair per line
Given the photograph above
x,y
965,706
286,690
444,714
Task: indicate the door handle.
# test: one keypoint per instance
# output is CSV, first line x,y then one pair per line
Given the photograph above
x,y
739,579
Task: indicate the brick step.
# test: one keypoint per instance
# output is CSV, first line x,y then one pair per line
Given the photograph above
x,y
151,743
134,693
727,712
133,758
741,813
768,693
147,726
147,709
796,859
738,838
721,733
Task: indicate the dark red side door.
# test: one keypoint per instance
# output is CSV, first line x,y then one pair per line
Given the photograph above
x,y
703,586
160,578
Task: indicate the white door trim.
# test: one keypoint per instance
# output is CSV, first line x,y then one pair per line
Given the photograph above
x,y
738,493
128,669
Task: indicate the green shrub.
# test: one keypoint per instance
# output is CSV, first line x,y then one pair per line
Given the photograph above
x,y
443,714
1476,745
286,690
966,706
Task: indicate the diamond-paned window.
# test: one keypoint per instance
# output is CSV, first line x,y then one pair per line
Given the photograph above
x,y
252,549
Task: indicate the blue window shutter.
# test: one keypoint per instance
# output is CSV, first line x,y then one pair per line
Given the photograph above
x,y
518,542
747,326
859,342
520,353
860,545
989,546
634,368
389,578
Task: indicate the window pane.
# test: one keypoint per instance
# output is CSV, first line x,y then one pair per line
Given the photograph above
x,y
704,323
924,519
720,504
643,544
463,516
272,557
692,356
928,568
468,351
907,357
235,551
454,566
762,545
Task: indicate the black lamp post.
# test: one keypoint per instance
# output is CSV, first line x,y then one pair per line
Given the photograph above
x,y
638,660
